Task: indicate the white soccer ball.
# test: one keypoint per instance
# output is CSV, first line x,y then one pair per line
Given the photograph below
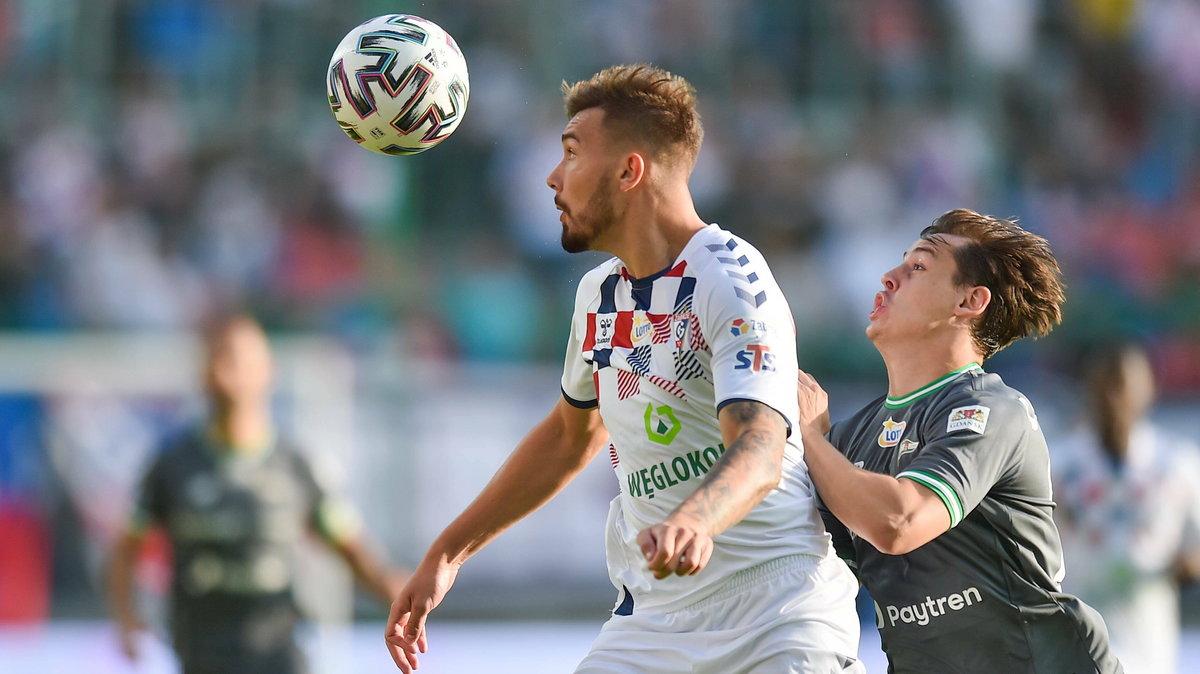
x,y
398,84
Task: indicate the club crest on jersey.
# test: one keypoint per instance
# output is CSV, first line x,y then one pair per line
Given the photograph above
x,y
907,446
680,330
892,430
604,330
971,418
641,330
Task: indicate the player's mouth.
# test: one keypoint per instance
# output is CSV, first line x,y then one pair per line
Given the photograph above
x,y
562,210
875,310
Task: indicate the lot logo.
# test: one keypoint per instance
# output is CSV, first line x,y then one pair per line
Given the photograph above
x,y
892,430
661,424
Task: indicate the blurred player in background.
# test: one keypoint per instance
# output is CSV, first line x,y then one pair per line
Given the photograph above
x,y
941,488
235,500
1129,510
682,350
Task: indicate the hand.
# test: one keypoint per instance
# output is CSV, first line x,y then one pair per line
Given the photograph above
x,y
814,403
405,630
129,634
678,545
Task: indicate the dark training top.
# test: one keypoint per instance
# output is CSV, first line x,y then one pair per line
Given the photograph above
x,y
234,520
984,596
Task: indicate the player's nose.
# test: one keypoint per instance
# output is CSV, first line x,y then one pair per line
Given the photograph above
x,y
889,279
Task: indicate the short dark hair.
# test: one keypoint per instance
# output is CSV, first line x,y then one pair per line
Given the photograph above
x,y
643,103
1016,265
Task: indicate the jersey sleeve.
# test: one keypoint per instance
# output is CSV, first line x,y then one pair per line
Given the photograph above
x,y
578,386
334,518
972,442
748,325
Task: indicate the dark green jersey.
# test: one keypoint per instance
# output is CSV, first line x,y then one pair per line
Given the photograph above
x,y
984,596
234,520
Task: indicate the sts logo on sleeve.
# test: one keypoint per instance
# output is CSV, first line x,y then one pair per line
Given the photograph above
x,y
756,358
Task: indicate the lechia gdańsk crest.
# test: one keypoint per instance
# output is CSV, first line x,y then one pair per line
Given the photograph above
x,y
891,433
971,418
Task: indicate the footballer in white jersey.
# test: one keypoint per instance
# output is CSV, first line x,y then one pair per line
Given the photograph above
x,y
660,356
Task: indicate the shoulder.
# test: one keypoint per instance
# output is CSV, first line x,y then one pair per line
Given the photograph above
x,y
1176,452
979,400
289,452
714,251
591,281
730,270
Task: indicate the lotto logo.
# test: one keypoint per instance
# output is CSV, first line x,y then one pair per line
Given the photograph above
x,y
756,358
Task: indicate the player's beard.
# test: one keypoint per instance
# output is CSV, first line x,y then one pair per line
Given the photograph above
x,y
596,218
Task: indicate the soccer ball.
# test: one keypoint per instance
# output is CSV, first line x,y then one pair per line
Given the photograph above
x,y
398,84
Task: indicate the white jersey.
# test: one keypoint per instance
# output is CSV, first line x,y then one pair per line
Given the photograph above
x,y
1123,529
660,356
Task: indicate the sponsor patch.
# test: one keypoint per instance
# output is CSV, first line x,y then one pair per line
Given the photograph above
x,y
604,331
661,424
640,332
908,446
745,326
756,358
892,430
971,418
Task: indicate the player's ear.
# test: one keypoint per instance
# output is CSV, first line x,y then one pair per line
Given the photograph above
x,y
633,171
974,301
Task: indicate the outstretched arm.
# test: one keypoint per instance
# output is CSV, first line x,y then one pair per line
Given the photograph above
x,y
120,591
754,436
894,515
368,569
544,462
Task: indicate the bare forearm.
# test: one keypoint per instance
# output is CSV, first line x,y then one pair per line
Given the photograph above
x,y
890,514
120,580
368,569
746,472
545,461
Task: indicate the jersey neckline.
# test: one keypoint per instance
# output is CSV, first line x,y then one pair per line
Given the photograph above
x,y
647,281
908,398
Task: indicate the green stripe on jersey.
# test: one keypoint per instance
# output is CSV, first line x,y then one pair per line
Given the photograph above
x,y
944,491
901,401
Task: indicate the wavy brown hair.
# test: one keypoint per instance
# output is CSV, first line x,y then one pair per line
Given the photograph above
x,y
643,104
1016,265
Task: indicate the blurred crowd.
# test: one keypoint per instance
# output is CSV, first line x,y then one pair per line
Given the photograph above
x,y
162,160
163,157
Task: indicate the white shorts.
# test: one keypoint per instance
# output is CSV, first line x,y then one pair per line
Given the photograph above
x,y
791,615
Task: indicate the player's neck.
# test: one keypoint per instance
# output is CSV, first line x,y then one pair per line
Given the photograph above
x,y
655,231
915,365
242,427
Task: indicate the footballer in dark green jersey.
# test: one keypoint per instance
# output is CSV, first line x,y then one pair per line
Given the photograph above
x,y
939,492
